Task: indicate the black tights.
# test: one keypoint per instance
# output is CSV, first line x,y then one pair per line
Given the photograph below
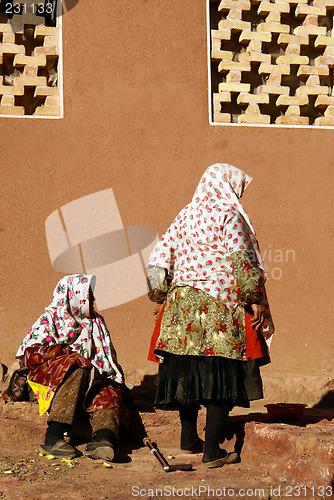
x,y
216,418
55,432
189,435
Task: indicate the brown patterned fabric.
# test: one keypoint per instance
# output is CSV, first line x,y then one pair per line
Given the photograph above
x,y
18,389
49,365
105,419
71,395
71,392
68,376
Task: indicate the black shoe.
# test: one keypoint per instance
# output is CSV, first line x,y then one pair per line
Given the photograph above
x,y
224,459
101,450
60,449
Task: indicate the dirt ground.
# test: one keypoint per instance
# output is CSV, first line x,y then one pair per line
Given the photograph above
x,y
135,472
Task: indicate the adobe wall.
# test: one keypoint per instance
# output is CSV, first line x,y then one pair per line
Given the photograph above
x,y
136,120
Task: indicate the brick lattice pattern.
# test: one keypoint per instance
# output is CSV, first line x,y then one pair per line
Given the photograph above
x,y
29,55
272,62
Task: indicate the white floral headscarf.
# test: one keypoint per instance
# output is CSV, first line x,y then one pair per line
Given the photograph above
x,y
67,320
196,247
225,184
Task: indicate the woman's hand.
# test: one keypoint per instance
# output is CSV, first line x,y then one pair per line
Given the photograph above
x,y
258,318
157,311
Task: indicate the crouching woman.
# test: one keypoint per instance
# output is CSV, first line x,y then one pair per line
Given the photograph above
x,y
73,368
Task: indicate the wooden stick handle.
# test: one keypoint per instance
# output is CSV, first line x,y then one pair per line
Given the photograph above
x,y
147,442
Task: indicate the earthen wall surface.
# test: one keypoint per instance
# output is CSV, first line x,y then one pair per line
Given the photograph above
x,y
136,120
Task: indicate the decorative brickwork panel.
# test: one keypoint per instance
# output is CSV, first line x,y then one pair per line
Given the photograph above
x,y
29,60
272,62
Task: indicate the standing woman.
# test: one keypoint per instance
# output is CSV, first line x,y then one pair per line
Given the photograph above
x,y
208,268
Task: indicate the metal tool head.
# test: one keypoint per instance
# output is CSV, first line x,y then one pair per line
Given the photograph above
x,y
173,468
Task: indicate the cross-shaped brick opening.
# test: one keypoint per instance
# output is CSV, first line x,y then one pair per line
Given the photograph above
x,y
272,62
29,59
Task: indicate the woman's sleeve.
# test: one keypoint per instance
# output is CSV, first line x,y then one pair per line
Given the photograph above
x,y
158,283
163,254
248,279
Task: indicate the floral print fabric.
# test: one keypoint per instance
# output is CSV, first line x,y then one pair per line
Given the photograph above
x,y
67,320
196,249
195,323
